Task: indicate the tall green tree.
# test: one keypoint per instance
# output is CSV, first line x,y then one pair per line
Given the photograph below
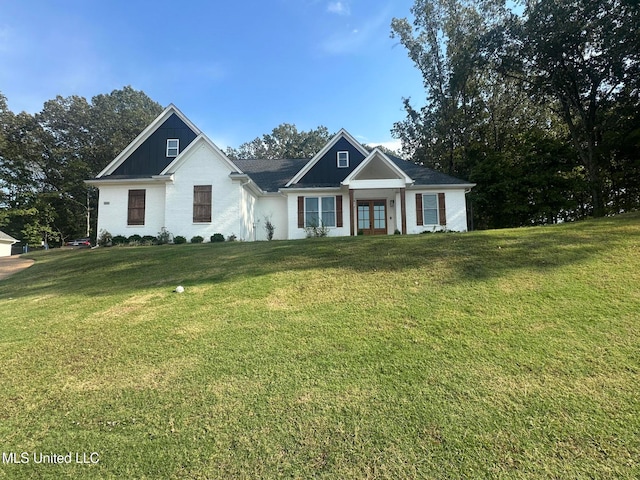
x,y
473,119
579,54
538,105
45,158
284,141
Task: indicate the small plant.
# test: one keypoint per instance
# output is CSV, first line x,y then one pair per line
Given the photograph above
x,y
315,230
269,227
119,240
360,232
105,239
217,237
197,239
164,236
179,239
397,232
232,238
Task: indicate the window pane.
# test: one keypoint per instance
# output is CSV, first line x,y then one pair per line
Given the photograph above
x,y
430,201
312,214
430,209
329,211
311,204
172,147
343,159
363,217
379,216
329,219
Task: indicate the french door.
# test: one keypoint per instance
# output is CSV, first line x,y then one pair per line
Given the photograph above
x,y
372,217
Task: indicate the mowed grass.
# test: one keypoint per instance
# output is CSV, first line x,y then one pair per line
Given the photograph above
x,y
499,354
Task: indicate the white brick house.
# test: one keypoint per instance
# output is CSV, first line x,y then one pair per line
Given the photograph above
x,y
172,176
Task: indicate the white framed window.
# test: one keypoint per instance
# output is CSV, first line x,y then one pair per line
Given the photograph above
x,y
430,209
173,147
320,211
343,159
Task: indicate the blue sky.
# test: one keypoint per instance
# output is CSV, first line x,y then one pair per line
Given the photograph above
x,y
236,69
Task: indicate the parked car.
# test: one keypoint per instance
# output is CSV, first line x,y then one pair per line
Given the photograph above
x,y
79,242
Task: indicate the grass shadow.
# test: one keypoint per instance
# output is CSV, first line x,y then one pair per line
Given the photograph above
x,y
476,256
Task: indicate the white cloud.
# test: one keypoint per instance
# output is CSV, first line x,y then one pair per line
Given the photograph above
x,y
354,39
339,8
393,145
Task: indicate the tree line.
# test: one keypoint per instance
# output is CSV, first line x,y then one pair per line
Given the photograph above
x,y
45,158
536,101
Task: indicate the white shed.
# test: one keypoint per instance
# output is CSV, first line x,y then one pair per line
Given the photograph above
x,y
6,241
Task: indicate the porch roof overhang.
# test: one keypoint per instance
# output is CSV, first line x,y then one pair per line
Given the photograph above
x,y
439,187
377,184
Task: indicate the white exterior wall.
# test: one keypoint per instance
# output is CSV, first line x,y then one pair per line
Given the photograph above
x,y
5,249
273,207
204,166
247,206
292,213
456,209
113,204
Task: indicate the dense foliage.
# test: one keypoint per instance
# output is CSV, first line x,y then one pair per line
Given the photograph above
x,y
45,158
284,141
538,104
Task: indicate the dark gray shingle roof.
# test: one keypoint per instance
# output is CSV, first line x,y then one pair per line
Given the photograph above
x,y
271,175
424,175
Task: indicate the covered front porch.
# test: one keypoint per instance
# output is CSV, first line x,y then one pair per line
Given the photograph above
x,y
377,197
377,211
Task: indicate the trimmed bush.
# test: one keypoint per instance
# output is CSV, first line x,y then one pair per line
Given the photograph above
x,y
197,239
119,240
134,239
179,239
217,237
149,240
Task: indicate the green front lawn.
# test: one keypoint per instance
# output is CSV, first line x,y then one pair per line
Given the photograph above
x,y
511,354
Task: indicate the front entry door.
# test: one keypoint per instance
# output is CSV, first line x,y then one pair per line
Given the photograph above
x,y
372,217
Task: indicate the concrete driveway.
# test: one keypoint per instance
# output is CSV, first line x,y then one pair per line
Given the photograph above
x,y
11,265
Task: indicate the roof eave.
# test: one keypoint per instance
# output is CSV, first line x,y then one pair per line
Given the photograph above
x,y
449,186
125,181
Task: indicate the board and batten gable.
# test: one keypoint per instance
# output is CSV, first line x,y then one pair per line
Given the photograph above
x,y
201,165
325,172
150,158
